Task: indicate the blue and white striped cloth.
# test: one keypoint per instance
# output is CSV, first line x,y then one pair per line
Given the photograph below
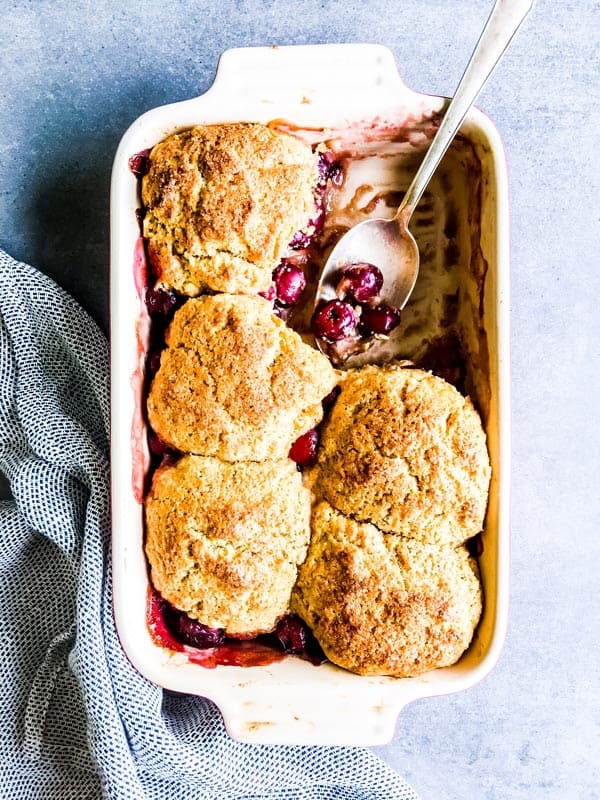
x,y
76,720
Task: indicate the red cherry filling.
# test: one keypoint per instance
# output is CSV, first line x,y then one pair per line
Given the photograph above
x,y
304,449
379,319
158,447
291,633
190,631
358,312
329,401
475,545
194,633
174,629
294,637
330,171
336,174
139,163
160,303
270,294
153,363
360,282
289,283
300,240
334,321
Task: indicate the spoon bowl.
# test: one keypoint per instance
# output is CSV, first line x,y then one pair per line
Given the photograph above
x,y
387,243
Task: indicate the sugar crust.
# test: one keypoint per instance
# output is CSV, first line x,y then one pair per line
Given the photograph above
x,y
235,381
224,540
222,203
404,450
381,604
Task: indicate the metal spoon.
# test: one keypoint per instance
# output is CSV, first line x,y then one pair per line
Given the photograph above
x,y
388,243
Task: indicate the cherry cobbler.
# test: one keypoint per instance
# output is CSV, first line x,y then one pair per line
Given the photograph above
x,y
292,507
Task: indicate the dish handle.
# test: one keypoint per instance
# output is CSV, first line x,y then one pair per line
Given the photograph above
x,y
344,712
296,73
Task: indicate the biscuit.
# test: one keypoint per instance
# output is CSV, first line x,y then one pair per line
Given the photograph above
x,y
380,604
224,540
235,381
222,203
406,451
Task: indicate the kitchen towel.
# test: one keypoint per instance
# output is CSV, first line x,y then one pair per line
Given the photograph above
x,y
76,720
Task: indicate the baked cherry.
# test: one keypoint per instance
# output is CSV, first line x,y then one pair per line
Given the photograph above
x,y
329,169
336,174
475,545
335,320
160,303
379,319
304,449
289,283
324,165
139,163
291,634
158,447
303,239
190,631
300,240
153,363
360,282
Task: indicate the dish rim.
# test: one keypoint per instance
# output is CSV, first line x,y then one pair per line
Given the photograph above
x,y
241,695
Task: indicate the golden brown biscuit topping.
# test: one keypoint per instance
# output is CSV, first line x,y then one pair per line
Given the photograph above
x,y
235,381
224,540
406,451
222,203
380,604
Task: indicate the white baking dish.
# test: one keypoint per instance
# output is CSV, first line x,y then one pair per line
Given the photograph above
x,y
344,88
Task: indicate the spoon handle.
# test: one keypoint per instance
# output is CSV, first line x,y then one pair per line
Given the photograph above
x,y
503,23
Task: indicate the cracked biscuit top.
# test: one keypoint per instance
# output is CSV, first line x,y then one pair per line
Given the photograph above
x,y
224,540
222,203
235,381
380,604
406,451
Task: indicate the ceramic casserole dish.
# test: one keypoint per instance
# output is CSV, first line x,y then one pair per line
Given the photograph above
x,y
351,94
